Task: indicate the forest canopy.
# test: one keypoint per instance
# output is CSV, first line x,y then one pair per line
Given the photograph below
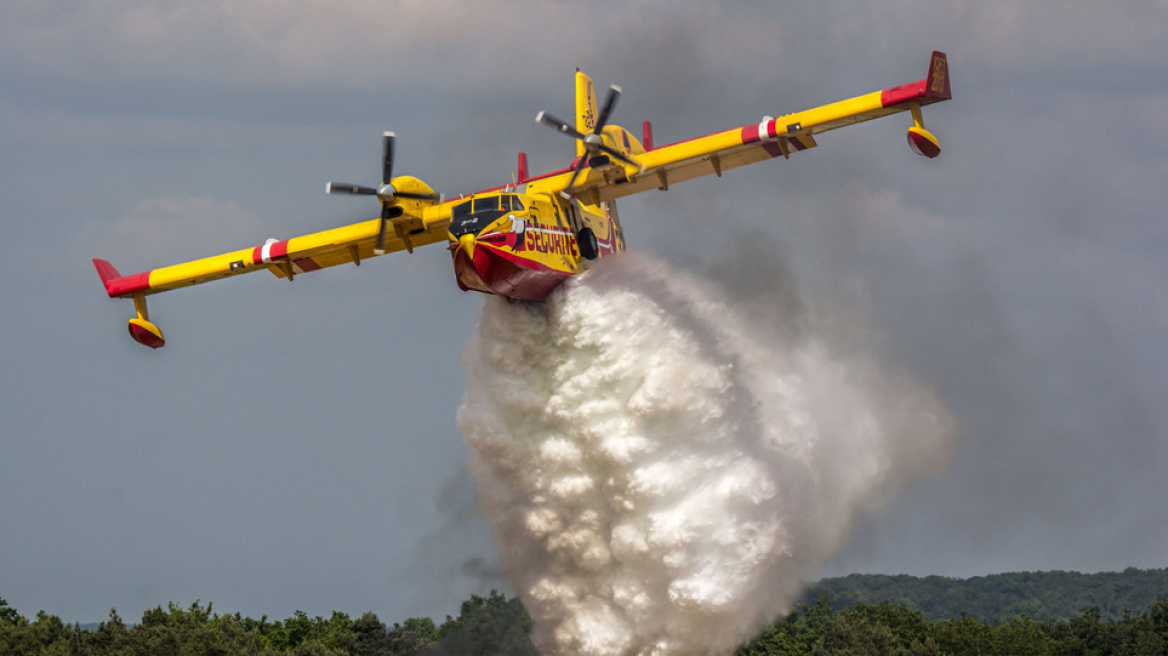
x,y
859,614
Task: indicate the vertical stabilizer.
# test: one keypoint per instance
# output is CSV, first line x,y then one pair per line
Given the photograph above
x,y
585,108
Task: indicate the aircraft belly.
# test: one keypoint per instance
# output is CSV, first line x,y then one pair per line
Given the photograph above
x,y
514,277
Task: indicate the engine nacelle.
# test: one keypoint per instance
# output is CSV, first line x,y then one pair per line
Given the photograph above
x,y
923,142
146,333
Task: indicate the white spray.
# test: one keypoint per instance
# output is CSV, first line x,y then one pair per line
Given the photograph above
x,y
663,474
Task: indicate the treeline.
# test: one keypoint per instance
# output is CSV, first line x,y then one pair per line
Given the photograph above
x,y
497,625
485,625
892,629
1039,595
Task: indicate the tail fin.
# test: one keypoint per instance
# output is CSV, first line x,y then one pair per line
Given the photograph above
x,y
585,108
937,84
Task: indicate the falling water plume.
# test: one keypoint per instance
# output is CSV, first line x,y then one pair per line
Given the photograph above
x,y
664,469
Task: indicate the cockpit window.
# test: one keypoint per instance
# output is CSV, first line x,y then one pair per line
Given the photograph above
x,y
468,219
516,203
505,201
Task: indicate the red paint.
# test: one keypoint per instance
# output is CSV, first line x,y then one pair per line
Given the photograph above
x,y
279,251
145,337
496,272
750,134
922,146
105,270
257,255
519,260
127,285
647,136
903,93
937,84
522,168
119,285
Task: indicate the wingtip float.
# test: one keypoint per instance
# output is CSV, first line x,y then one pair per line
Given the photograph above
x,y
524,239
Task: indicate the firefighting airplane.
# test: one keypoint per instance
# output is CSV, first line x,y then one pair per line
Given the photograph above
x,y
524,239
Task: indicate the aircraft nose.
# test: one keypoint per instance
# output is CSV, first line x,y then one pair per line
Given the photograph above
x,y
468,244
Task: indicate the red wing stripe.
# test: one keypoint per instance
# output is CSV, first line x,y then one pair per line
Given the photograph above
x,y
257,255
749,134
273,250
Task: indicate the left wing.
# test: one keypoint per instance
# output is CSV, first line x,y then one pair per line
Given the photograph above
x,y
286,259
770,138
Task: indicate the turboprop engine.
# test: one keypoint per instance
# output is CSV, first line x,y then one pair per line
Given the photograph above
x,y
401,195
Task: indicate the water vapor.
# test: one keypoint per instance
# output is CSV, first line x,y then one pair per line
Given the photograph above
x,y
664,466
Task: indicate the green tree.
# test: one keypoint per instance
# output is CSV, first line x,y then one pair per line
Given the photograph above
x,y
487,626
370,637
8,614
416,636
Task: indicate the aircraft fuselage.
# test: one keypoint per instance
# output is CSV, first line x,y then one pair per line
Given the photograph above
x,y
525,245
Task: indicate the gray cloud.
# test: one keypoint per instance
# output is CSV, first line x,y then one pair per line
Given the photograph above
x,y
285,450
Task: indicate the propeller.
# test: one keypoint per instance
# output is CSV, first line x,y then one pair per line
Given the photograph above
x,y
384,192
593,141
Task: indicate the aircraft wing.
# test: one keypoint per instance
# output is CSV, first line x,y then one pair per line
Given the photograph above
x,y
770,138
286,259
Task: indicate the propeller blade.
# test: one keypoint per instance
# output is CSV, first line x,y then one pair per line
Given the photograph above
x,y
548,119
575,172
614,93
387,157
349,189
613,152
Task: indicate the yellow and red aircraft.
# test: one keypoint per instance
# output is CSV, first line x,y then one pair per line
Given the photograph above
x,y
524,239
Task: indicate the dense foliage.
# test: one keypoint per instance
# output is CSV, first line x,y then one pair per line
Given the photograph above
x,y
485,625
893,629
497,625
1040,595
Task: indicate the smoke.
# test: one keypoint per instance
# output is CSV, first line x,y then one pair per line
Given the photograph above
x,y
664,464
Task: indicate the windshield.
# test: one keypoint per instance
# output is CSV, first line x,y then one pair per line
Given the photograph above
x,y
468,219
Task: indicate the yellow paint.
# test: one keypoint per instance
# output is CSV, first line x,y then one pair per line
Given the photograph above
x,y
468,244
140,307
549,221
585,108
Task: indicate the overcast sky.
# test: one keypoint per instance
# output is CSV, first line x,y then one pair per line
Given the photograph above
x,y
294,445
